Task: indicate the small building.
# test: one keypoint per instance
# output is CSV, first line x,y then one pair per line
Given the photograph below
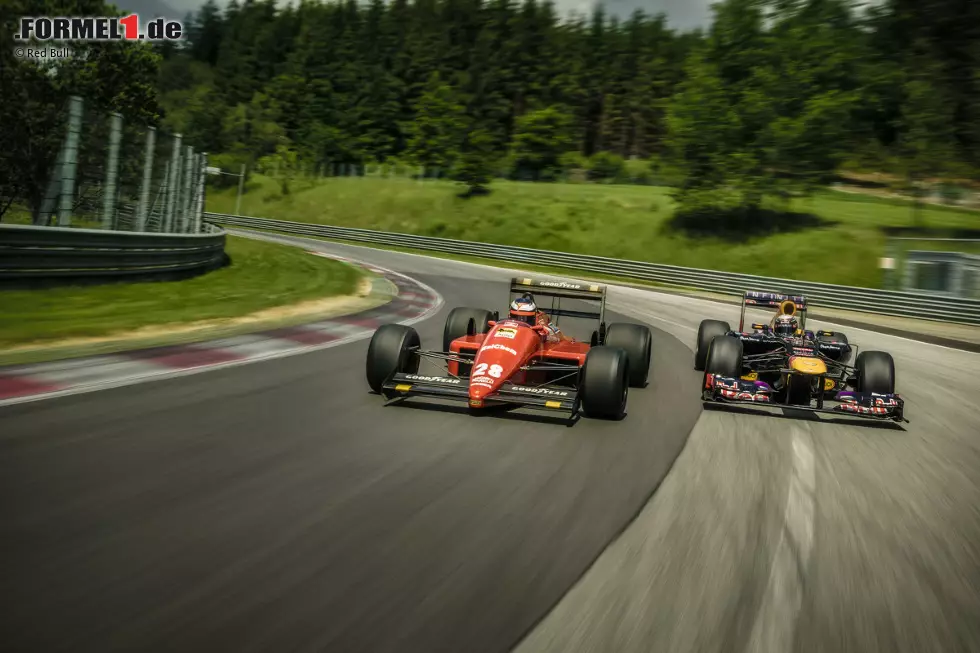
x,y
952,273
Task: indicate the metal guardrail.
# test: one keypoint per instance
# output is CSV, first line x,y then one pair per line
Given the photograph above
x,y
36,256
868,300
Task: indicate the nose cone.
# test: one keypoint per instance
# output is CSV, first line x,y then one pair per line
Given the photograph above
x,y
504,349
481,383
480,387
478,392
807,365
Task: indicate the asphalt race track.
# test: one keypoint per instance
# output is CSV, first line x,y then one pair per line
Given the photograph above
x,y
278,506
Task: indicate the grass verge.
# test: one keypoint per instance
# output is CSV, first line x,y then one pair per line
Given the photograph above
x,y
267,284
830,237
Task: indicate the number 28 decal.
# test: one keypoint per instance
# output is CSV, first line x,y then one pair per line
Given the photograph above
x,y
495,370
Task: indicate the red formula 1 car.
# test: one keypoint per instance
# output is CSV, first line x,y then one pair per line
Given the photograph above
x,y
524,359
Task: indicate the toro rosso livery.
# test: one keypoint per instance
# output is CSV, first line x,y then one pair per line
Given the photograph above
x,y
781,363
524,359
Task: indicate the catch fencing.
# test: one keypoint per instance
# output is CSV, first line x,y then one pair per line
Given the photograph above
x,y
868,300
89,196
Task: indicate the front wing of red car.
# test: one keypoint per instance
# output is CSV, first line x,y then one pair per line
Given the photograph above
x,y
728,390
548,398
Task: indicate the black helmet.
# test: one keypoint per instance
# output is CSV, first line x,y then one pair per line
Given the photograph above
x,y
786,326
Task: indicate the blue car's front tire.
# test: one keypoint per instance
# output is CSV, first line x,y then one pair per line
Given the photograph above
x,y
708,331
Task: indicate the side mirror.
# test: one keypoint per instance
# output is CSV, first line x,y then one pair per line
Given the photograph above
x,y
491,323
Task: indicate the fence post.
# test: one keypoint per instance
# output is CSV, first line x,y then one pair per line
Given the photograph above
x,y
198,174
178,189
192,191
159,203
139,224
181,220
185,192
51,192
199,205
172,185
115,226
112,169
70,163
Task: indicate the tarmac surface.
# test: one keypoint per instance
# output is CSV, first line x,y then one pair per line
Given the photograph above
x,y
279,506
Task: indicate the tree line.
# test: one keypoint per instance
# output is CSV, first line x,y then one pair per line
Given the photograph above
x,y
767,102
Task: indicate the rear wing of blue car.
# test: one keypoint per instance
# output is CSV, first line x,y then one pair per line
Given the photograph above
x,y
788,303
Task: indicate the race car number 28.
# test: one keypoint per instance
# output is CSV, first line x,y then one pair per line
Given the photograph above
x,y
495,370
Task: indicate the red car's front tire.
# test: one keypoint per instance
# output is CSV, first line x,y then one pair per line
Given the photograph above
x,y
605,383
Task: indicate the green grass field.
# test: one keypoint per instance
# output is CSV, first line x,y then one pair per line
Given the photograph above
x,y
841,244
262,275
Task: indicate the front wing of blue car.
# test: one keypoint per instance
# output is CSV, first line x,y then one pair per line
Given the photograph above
x,y
728,390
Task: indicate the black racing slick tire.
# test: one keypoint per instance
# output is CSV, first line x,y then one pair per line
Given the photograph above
x,y
390,352
724,357
605,383
458,324
637,342
708,331
875,372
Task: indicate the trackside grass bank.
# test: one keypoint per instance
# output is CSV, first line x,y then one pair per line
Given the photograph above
x,y
831,237
265,283
958,336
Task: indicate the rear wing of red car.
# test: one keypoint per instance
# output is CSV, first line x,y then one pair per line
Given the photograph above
x,y
790,303
559,290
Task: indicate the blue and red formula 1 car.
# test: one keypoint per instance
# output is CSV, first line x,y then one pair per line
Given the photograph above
x,y
782,364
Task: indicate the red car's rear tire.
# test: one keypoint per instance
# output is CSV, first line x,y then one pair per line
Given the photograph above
x,y
458,323
637,341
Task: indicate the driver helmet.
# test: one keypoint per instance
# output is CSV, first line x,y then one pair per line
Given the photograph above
x,y
524,310
786,326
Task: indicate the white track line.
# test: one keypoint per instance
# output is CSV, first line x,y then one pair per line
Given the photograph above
x,y
775,623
